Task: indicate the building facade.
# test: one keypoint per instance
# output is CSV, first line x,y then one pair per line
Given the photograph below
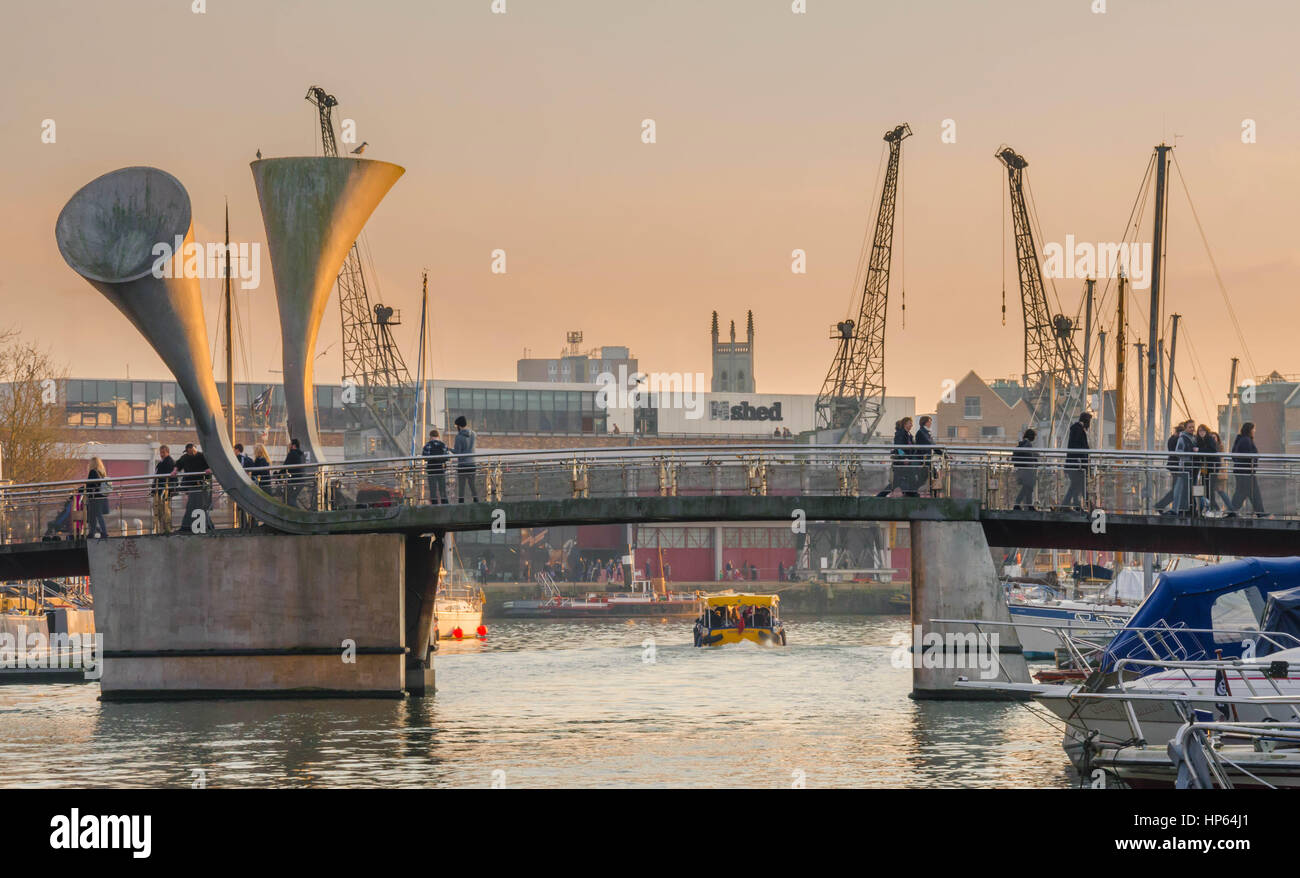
x,y
981,413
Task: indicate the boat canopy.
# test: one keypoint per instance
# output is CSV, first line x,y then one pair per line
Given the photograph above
x,y
1281,615
1230,597
736,600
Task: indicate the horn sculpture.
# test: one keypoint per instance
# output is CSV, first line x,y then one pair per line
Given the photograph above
x,y
313,209
110,232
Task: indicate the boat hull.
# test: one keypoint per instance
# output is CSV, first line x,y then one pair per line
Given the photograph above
x,y
1040,642
760,636
457,614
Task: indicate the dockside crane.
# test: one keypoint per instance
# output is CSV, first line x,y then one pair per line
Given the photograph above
x,y
852,398
371,359
1052,377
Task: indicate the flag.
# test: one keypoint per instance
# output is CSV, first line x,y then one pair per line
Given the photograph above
x,y
1221,689
262,404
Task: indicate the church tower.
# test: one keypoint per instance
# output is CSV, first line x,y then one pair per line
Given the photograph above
x,y
733,361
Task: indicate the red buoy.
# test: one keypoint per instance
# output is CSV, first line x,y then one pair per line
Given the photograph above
x,y
457,633
481,632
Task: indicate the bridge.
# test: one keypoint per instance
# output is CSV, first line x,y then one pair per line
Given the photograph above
x,y
702,484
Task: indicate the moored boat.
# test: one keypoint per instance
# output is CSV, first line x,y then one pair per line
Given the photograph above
x,y
643,600
459,608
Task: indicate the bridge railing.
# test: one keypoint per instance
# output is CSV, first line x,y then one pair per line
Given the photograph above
x,y
998,478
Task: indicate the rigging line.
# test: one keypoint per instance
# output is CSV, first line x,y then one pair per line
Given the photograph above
x,y
1132,225
1223,290
1198,369
1042,240
1003,252
902,241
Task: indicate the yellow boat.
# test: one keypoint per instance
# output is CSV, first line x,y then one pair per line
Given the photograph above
x,y
731,618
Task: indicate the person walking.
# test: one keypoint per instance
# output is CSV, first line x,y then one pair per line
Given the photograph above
x,y
160,492
463,448
1244,466
1171,464
1025,462
244,460
926,451
97,488
293,477
1214,481
1076,463
900,467
1206,449
1185,457
435,467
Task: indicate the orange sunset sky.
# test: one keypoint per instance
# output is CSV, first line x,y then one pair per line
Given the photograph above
x,y
522,131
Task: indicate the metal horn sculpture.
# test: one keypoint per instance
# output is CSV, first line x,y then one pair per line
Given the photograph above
x,y
313,209
128,233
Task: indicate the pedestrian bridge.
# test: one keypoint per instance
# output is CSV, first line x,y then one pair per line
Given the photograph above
x,y
714,483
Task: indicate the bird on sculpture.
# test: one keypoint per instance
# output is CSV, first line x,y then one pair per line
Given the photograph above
x,y
362,148
259,155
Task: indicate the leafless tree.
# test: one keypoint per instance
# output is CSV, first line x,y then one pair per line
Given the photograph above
x,y
33,436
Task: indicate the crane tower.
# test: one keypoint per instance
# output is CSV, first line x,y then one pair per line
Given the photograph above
x,y
852,398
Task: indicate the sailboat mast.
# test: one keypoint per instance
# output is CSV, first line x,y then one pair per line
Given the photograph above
x,y
230,352
230,345
424,351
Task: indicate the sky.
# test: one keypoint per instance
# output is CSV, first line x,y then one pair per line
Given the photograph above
x,y
523,131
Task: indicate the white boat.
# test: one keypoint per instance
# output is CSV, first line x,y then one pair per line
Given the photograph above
x,y
1040,621
459,608
1150,680
1208,754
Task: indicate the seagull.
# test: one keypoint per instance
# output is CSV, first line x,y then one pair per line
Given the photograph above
x,y
259,155
362,148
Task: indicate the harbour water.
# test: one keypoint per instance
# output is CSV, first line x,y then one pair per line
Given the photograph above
x,y
589,704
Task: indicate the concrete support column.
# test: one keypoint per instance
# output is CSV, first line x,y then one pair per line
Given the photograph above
x,y
249,616
423,567
953,578
717,552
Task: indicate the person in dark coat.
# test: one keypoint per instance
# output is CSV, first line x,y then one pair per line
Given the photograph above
x,y
925,452
1243,468
161,489
262,467
435,467
1076,464
1185,453
1025,462
901,465
466,441
194,466
1171,464
1214,472
96,492
293,478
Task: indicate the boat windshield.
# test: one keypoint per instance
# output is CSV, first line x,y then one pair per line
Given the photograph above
x,y
740,616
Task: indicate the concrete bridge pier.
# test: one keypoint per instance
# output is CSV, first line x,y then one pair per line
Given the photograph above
x,y
265,616
953,577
